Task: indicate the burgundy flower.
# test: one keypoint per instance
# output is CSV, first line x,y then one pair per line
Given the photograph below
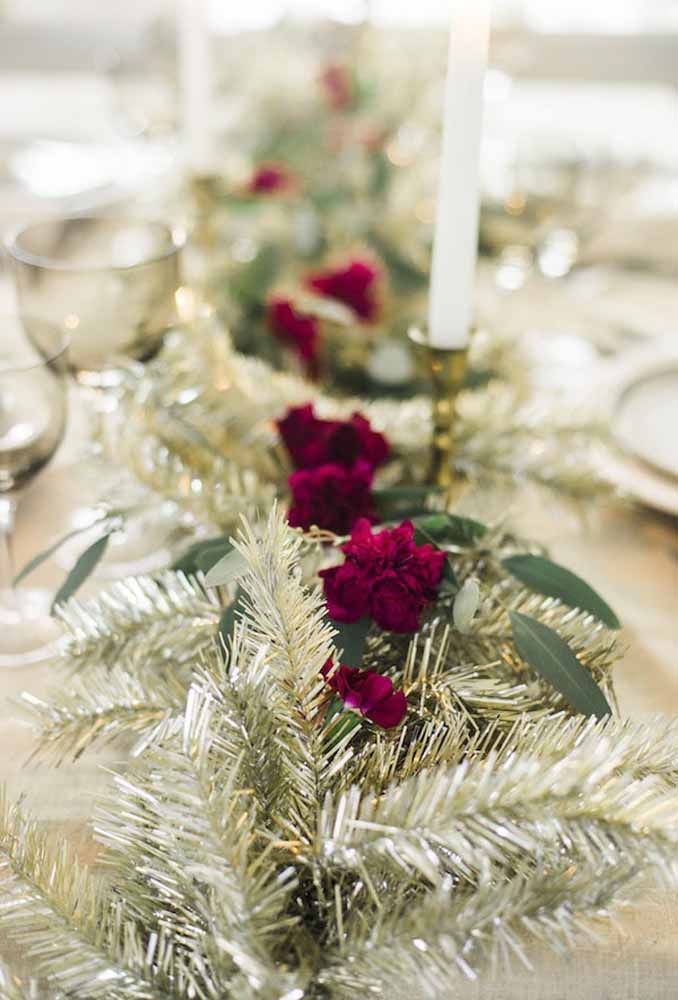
x,y
370,693
331,496
311,441
388,576
295,330
394,606
337,81
351,595
270,179
356,284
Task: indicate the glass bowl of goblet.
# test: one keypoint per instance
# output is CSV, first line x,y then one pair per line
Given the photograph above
x,y
33,406
112,284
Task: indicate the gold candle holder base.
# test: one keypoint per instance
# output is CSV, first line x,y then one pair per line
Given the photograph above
x,y
204,191
447,370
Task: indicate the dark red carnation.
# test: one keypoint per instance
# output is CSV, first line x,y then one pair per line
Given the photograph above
x,y
393,578
337,82
270,179
394,605
331,496
350,594
299,332
356,284
370,693
311,441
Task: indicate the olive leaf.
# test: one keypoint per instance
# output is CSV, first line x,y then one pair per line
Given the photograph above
x,y
549,578
201,556
341,727
227,569
551,656
351,638
84,567
451,528
228,618
45,554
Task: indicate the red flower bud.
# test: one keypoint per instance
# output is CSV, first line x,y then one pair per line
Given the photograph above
x,y
369,692
356,284
299,332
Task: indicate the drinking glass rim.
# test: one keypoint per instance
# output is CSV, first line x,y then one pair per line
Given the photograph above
x,y
176,233
65,343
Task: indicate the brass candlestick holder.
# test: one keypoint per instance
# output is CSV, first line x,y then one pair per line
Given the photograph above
x,y
447,370
204,190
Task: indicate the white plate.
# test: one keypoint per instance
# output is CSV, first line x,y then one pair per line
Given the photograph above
x,y
645,420
643,412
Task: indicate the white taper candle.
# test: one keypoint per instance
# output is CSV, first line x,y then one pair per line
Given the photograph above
x,y
456,232
193,45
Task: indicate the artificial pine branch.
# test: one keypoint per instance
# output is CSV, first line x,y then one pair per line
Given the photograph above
x,y
288,620
102,704
56,917
251,853
182,857
420,950
508,813
641,749
137,620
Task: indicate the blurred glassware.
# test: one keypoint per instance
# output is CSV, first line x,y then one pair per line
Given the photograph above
x,y
33,405
113,285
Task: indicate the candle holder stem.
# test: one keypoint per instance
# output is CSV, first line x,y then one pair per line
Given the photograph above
x,y
447,370
204,190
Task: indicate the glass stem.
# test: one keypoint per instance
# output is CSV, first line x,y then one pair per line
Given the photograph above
x,y
8,505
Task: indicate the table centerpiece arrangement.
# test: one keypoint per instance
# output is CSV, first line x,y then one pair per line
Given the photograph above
x,y
369,736
371,763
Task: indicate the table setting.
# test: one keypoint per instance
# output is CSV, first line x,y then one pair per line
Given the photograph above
x,y
339,508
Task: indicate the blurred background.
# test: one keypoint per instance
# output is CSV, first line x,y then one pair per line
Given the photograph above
x,y
579,160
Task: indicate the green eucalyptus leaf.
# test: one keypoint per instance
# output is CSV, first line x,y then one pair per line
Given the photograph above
x,y
352,639
84,567
451,528
549,578
342,726
403,273
228,618
212,548
434,525
211,556
413,492
43,556
335,706
551,656
229,568
381,174
449,578
251,282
